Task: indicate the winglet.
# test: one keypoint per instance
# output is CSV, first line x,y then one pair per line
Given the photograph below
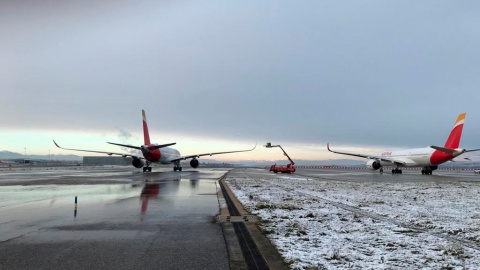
x,y
328,147
56,144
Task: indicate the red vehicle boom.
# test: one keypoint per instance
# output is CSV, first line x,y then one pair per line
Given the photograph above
x,y
283,169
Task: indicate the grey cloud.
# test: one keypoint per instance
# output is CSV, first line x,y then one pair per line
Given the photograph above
x,y
363,73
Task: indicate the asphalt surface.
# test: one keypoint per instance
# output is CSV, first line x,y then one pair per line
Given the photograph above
x,y
124,219
364,175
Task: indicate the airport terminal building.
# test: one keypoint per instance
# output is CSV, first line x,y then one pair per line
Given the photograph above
x,y
109,160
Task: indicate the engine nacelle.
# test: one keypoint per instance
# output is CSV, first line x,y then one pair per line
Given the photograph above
x,y
194,163
138,163
373,165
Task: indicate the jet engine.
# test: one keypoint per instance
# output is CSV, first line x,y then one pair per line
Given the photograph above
x,y
138,163
373,165
194,163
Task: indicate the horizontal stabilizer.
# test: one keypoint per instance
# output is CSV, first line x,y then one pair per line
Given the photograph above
x,y
124,145
443,149
160,146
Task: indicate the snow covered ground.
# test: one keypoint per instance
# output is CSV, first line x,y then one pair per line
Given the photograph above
x,y
366,225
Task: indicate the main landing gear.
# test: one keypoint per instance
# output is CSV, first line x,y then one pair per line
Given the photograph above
x,y
177,167
426,172
147,168
396,171
429,169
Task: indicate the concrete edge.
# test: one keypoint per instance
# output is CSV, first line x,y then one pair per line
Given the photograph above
x,y
234,251
266,248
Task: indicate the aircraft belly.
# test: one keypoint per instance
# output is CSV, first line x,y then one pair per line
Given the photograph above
x,y
165,159
419,161
414,161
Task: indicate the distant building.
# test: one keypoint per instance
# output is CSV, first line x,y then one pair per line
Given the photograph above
x,y
110,160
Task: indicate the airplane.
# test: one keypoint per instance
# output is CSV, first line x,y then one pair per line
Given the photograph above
x,y
428,158
155,153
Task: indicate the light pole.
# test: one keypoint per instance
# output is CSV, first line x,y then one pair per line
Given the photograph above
x,y
25,156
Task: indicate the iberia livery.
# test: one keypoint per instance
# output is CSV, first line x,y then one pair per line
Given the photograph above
x,y
155,153
429,158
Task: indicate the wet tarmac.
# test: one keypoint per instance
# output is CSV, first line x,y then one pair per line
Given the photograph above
x,y
124,219
364,175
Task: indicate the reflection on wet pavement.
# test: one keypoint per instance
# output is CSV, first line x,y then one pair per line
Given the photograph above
x,y
159,212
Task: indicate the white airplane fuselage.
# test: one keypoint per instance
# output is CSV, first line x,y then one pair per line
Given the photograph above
x,y
167,154
417,157
164,155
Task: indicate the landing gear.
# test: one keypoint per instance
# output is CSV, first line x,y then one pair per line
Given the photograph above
x,y
396,171
381,170
177,167
427,172
147,167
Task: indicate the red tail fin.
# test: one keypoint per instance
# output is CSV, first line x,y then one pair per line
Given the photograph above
x,y
453,140
146,136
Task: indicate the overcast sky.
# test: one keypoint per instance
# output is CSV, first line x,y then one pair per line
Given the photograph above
x,y
216,75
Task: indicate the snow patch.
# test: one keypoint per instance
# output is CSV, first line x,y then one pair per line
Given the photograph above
x,y
333,224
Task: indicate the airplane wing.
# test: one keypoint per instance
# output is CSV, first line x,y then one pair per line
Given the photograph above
x,y
211,154
384,159
100,152
350,154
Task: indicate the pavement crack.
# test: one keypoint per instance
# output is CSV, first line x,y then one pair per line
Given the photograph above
x,y
14,238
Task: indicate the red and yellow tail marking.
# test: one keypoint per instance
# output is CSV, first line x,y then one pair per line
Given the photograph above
x,y
460,119
453,140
